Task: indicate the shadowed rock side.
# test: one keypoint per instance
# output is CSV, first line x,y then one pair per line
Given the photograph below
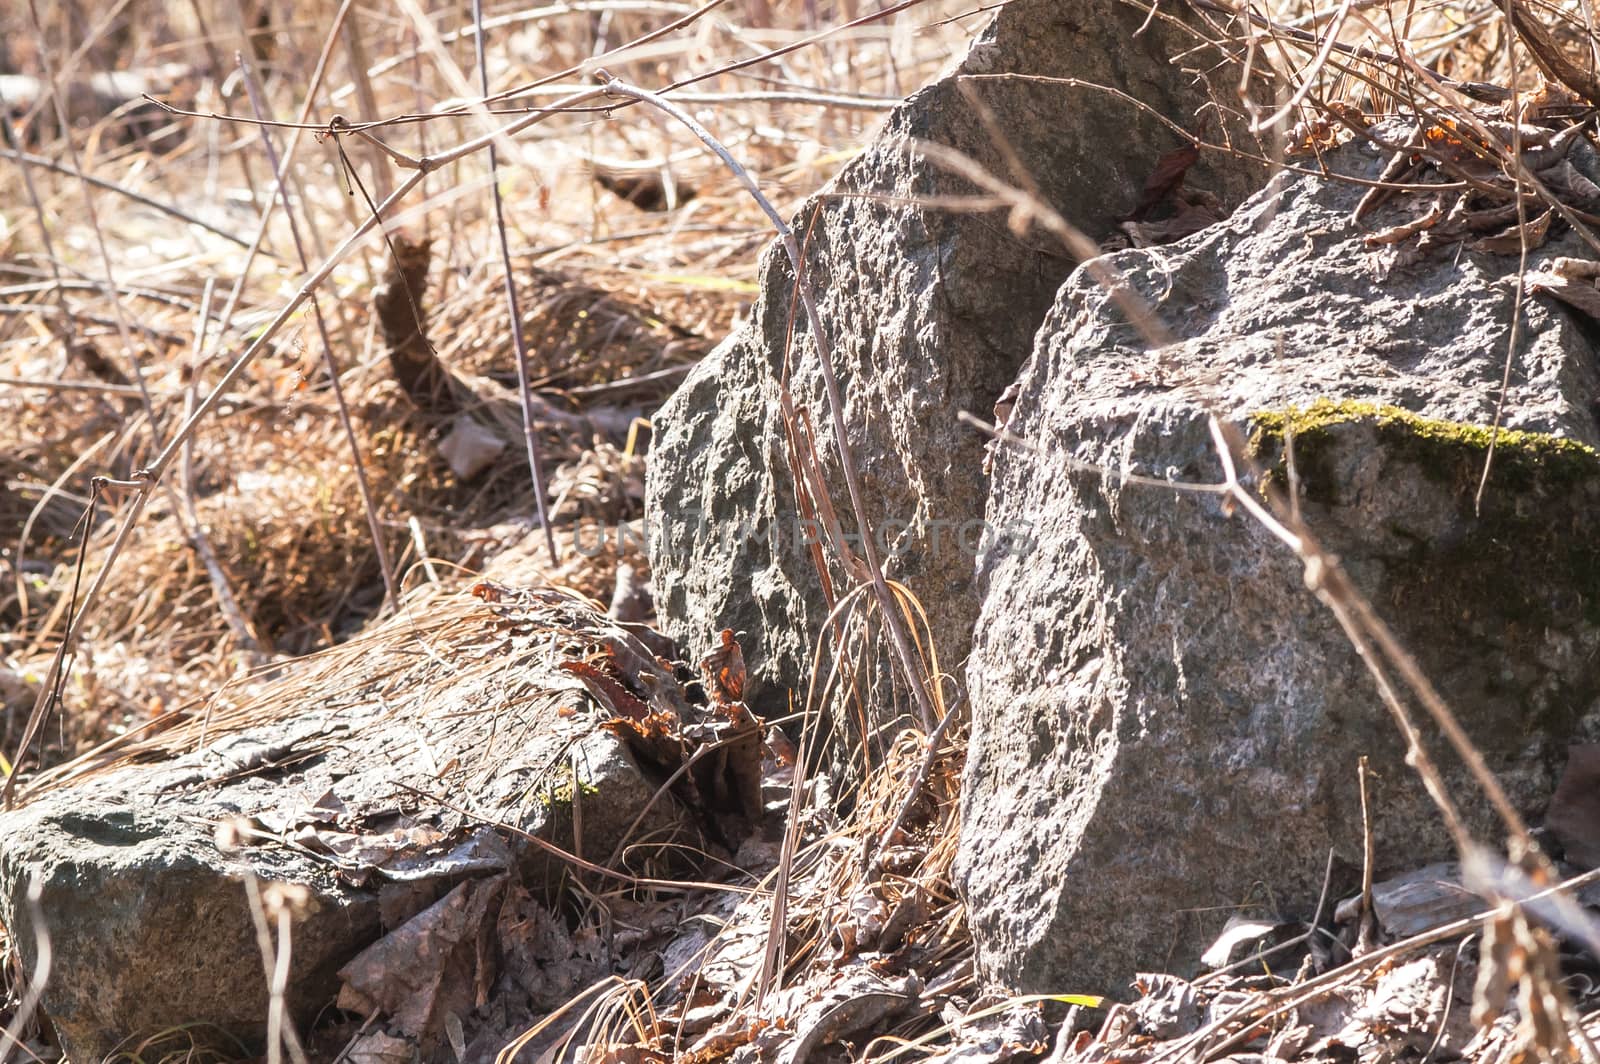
x,y
149,929
352,790
1165,720
932,310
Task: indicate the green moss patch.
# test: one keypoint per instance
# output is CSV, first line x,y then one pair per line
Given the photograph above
x,y
559,792
1516,452
1529,555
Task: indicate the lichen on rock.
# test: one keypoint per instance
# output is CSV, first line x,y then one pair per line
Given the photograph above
x,y
1164,717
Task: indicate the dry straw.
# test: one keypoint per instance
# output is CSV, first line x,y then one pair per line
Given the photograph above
x,y
278,473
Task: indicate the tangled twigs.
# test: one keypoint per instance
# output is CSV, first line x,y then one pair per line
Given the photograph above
x,y
11,1037
145,480
913,795
519,343
1283,1002
1548,55
909,661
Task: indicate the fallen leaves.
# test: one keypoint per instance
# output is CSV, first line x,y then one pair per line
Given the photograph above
x,y
439,963
1570,280
1511,187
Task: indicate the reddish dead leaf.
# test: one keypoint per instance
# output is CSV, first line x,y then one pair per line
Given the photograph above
x,y
489,591
655,741
1193,212
718,1045
1164,180
1443,133
650,727
609,690
724,672
625,1054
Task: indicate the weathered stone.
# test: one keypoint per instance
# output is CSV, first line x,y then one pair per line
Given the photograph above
x,y
148,926
1416,901
931,308
1165,720
355,785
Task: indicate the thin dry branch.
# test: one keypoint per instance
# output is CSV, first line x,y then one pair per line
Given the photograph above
x,y
330,363
1548,54
519,342
909,662
11,1036
29,159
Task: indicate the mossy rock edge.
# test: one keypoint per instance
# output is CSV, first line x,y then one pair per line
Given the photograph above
x,y
1526,555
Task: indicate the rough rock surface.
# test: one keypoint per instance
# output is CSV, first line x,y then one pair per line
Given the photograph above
x,y
1164,719
352,788
931,309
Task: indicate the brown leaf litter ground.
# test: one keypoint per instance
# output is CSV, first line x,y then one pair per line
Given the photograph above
x,y
805,933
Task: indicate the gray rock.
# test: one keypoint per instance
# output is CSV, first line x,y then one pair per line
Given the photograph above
x,y
353,787
1416,901
147,927
931,310
1165,721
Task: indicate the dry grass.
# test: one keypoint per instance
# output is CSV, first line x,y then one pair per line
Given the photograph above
x,y
116,323
110,302
610,292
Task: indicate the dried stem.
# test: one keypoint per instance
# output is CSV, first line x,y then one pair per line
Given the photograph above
x,y
29,159
331,364
11,1036
146,479
519,342
184,506
909,662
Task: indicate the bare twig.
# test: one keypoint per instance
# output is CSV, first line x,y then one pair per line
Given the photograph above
x,y
1367,923
519,342
918,780
11,1036
37,203
29,159
1548,54
183,499
146,479
517,18
330,364
909,662
1312,928
1282,1002
111,289
774,954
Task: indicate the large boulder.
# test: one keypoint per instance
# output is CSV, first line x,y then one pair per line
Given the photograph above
x,y
370,780
1166,724
931,306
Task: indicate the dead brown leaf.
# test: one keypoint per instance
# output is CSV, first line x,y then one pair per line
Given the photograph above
x,y
1574,814
439,963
